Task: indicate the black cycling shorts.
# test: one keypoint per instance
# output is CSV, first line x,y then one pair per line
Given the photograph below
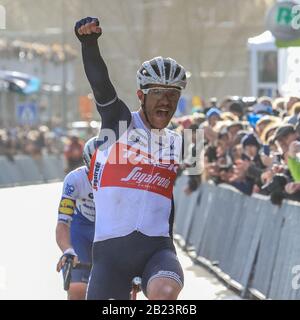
x,y
117,261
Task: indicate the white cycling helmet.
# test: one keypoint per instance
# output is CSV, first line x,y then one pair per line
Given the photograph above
x,y
89,149
161,70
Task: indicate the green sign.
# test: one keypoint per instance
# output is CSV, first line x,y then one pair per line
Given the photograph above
x,y
280,21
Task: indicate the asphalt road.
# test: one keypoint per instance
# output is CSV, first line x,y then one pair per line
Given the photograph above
x,y
28,251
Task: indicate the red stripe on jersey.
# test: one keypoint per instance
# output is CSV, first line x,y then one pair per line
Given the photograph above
x,y
133,170
92,165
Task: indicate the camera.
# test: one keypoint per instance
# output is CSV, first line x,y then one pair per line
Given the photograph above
x,y
276,188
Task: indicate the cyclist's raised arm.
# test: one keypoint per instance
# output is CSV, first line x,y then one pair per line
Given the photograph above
x,y
110,107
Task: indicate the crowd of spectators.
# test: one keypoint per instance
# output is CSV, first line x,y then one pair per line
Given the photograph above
x,y
32,141
37,141
253,146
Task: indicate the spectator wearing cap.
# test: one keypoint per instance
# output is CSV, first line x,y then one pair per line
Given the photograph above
x,y
225,116
291,101
272,143
213,115
268,131
294,113
265,100
233,128
295,110
251,146
263,122
239,136
250,168
279,106
261,108
285,135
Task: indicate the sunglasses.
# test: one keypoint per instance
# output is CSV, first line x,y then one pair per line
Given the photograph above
x,y
172,94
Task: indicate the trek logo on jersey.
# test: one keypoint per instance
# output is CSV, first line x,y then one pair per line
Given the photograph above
x,y
66,206
127,154
69,189
137,157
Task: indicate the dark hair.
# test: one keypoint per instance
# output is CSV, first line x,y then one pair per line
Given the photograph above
x,y
236,107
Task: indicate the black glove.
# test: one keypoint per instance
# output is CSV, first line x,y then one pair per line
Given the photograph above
x,y
87,38
67,271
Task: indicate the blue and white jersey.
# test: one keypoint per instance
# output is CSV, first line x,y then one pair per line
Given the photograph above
x,y
77,197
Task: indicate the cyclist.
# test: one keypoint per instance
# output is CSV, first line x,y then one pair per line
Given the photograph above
x,y
76,223
132,183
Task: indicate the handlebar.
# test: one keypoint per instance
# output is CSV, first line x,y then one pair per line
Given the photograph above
x,y
67,271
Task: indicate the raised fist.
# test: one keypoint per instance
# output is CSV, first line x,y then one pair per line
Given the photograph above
x,y
87,30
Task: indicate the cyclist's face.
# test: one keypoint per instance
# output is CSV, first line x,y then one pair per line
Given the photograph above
x,y
161,103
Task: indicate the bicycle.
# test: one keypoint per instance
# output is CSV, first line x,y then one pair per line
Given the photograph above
x,y
67,276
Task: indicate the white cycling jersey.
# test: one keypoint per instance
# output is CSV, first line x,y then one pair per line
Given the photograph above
x,y
77,196
133,182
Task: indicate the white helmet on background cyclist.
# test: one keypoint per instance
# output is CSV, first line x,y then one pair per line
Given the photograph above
x,y
162,71
89,149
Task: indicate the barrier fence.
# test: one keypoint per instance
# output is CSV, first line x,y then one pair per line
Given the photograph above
x,y
247,242
24,170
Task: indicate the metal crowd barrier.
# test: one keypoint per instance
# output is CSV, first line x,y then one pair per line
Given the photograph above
x,y
24,170
247,242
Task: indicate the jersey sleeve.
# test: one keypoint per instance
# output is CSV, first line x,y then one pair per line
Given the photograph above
x,y
111,109
67,203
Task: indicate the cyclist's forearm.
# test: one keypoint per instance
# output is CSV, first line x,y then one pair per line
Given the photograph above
x,y
97,74
111,109
63,238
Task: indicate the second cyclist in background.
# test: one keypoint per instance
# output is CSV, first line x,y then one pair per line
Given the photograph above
x,y
76,223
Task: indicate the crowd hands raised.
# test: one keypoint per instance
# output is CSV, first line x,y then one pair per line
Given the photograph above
x,y
253,146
